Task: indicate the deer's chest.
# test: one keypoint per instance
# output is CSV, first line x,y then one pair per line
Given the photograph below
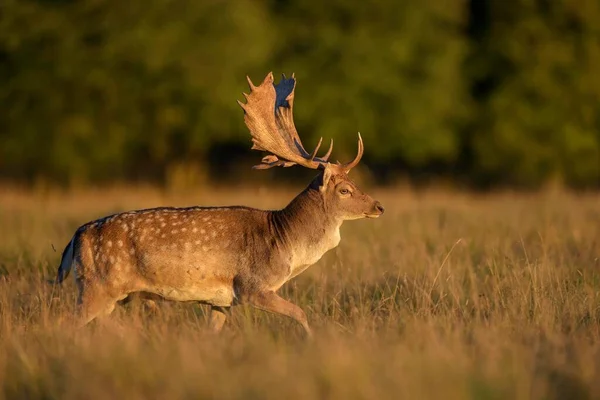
x,y
313,251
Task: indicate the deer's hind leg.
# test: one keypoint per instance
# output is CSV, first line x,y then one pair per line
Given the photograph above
x,y
93,302
146,299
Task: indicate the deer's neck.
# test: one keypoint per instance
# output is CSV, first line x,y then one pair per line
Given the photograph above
x,y
306,228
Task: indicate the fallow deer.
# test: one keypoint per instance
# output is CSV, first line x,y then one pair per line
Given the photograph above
x,y
223,256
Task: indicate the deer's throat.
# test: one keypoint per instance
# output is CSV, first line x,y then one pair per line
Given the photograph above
x,y
309,231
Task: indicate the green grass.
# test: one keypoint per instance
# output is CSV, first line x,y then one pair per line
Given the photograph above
x,y
450,296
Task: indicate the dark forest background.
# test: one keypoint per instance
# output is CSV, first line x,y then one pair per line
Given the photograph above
x,y
484,93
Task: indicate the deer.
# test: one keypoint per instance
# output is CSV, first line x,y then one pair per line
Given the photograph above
x,y
222,256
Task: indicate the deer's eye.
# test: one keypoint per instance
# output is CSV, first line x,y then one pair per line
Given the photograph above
x,y
344,191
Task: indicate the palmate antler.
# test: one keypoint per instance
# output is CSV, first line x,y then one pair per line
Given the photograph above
x,y
268,114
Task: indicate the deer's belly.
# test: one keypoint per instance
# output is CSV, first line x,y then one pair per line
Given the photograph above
x,y
215,294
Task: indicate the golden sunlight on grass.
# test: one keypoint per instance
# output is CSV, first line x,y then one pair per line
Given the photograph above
x,y
445,296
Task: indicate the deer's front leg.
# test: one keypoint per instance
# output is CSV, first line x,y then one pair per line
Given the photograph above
x,y
217,319
269,301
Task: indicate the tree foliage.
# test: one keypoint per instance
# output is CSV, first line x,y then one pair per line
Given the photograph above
x,y
495,92
539,116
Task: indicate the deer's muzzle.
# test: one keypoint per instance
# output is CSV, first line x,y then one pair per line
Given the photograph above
x,y
377,210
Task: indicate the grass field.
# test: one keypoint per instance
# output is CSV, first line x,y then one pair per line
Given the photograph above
x,y
451,296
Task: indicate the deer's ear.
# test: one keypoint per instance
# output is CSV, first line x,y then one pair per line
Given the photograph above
x,y
327,173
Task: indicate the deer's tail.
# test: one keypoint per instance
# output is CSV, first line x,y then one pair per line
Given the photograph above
x,y
66,262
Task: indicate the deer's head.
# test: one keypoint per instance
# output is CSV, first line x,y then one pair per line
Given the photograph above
x,y
268,115
342,197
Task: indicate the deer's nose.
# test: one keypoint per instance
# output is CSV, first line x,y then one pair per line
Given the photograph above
x,y
379,207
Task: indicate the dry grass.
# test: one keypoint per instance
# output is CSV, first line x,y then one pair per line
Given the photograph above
x,y
446,296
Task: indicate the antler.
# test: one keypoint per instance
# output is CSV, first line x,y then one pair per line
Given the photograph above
x,y
348,166
268,115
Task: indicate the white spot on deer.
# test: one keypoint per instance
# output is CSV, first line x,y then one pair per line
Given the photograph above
x,y
103,258
213,234
193,222
120,243
95,247
205,248
109,243
125,227
163,236
112,259
206,219
194,230
196,242
162,225
131,251
202,231
173,245
187,245
183,229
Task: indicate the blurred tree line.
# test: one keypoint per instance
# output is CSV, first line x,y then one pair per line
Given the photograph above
x,y
485,92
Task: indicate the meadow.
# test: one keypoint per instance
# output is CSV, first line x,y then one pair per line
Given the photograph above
x,y
448,295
